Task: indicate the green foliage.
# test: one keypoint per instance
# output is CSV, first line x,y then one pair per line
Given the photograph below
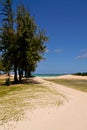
x,y
7,82
6,34
23,45
81,74
1,66
30,41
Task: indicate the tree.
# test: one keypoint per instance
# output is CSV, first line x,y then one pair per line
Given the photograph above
x,y
31,41
22,45
1,65
7,33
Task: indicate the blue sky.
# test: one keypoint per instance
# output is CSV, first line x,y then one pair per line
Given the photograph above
x,y
65,22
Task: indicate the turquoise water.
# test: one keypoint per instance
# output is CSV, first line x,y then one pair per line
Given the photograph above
x,y
47,75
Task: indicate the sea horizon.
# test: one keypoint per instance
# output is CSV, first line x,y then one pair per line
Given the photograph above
x,y
48,75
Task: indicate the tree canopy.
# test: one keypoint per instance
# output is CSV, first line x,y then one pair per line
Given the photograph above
x,y
22,43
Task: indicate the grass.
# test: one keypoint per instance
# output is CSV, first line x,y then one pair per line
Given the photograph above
x,y
72,83
1,81
16,99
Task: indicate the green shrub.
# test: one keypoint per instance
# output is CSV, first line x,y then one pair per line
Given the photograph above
x,y
81,74
8,81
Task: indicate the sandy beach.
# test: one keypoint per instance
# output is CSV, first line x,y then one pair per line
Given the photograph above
x,y
72,115
67,77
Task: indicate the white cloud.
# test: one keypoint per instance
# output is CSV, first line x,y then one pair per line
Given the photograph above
x,y
82,56
58,50
83,50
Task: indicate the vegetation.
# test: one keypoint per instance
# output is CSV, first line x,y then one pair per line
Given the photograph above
x,y
72,83
8,81
22,43
15,99
81,74
1,66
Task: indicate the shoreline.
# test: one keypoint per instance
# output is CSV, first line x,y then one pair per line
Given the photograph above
x,y
66,77
52,76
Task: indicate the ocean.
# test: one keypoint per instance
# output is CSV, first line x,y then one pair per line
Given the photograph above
x,y
47,75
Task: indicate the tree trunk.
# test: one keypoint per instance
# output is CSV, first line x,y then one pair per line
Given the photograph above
x,y
15,74
9,74
20,74
26,74
29,74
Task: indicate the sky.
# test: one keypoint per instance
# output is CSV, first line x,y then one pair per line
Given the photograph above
x,y
65,22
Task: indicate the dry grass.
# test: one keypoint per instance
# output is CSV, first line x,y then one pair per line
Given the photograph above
x,y
79,84
16,99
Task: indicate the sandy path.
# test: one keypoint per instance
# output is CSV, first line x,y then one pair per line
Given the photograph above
x,y
70,116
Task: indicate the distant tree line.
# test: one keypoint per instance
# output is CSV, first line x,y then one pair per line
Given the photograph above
x,y
22,43
81,74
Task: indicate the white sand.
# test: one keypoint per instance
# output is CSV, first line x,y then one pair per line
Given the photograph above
x,y
67,77
72,115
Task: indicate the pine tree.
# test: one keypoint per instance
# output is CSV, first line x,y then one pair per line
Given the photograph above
x,y
6,40
31,42
23,47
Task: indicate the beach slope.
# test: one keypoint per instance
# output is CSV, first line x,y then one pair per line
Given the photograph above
x,y
72,115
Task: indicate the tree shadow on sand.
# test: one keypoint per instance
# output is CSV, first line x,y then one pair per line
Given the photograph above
x,y
30,81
